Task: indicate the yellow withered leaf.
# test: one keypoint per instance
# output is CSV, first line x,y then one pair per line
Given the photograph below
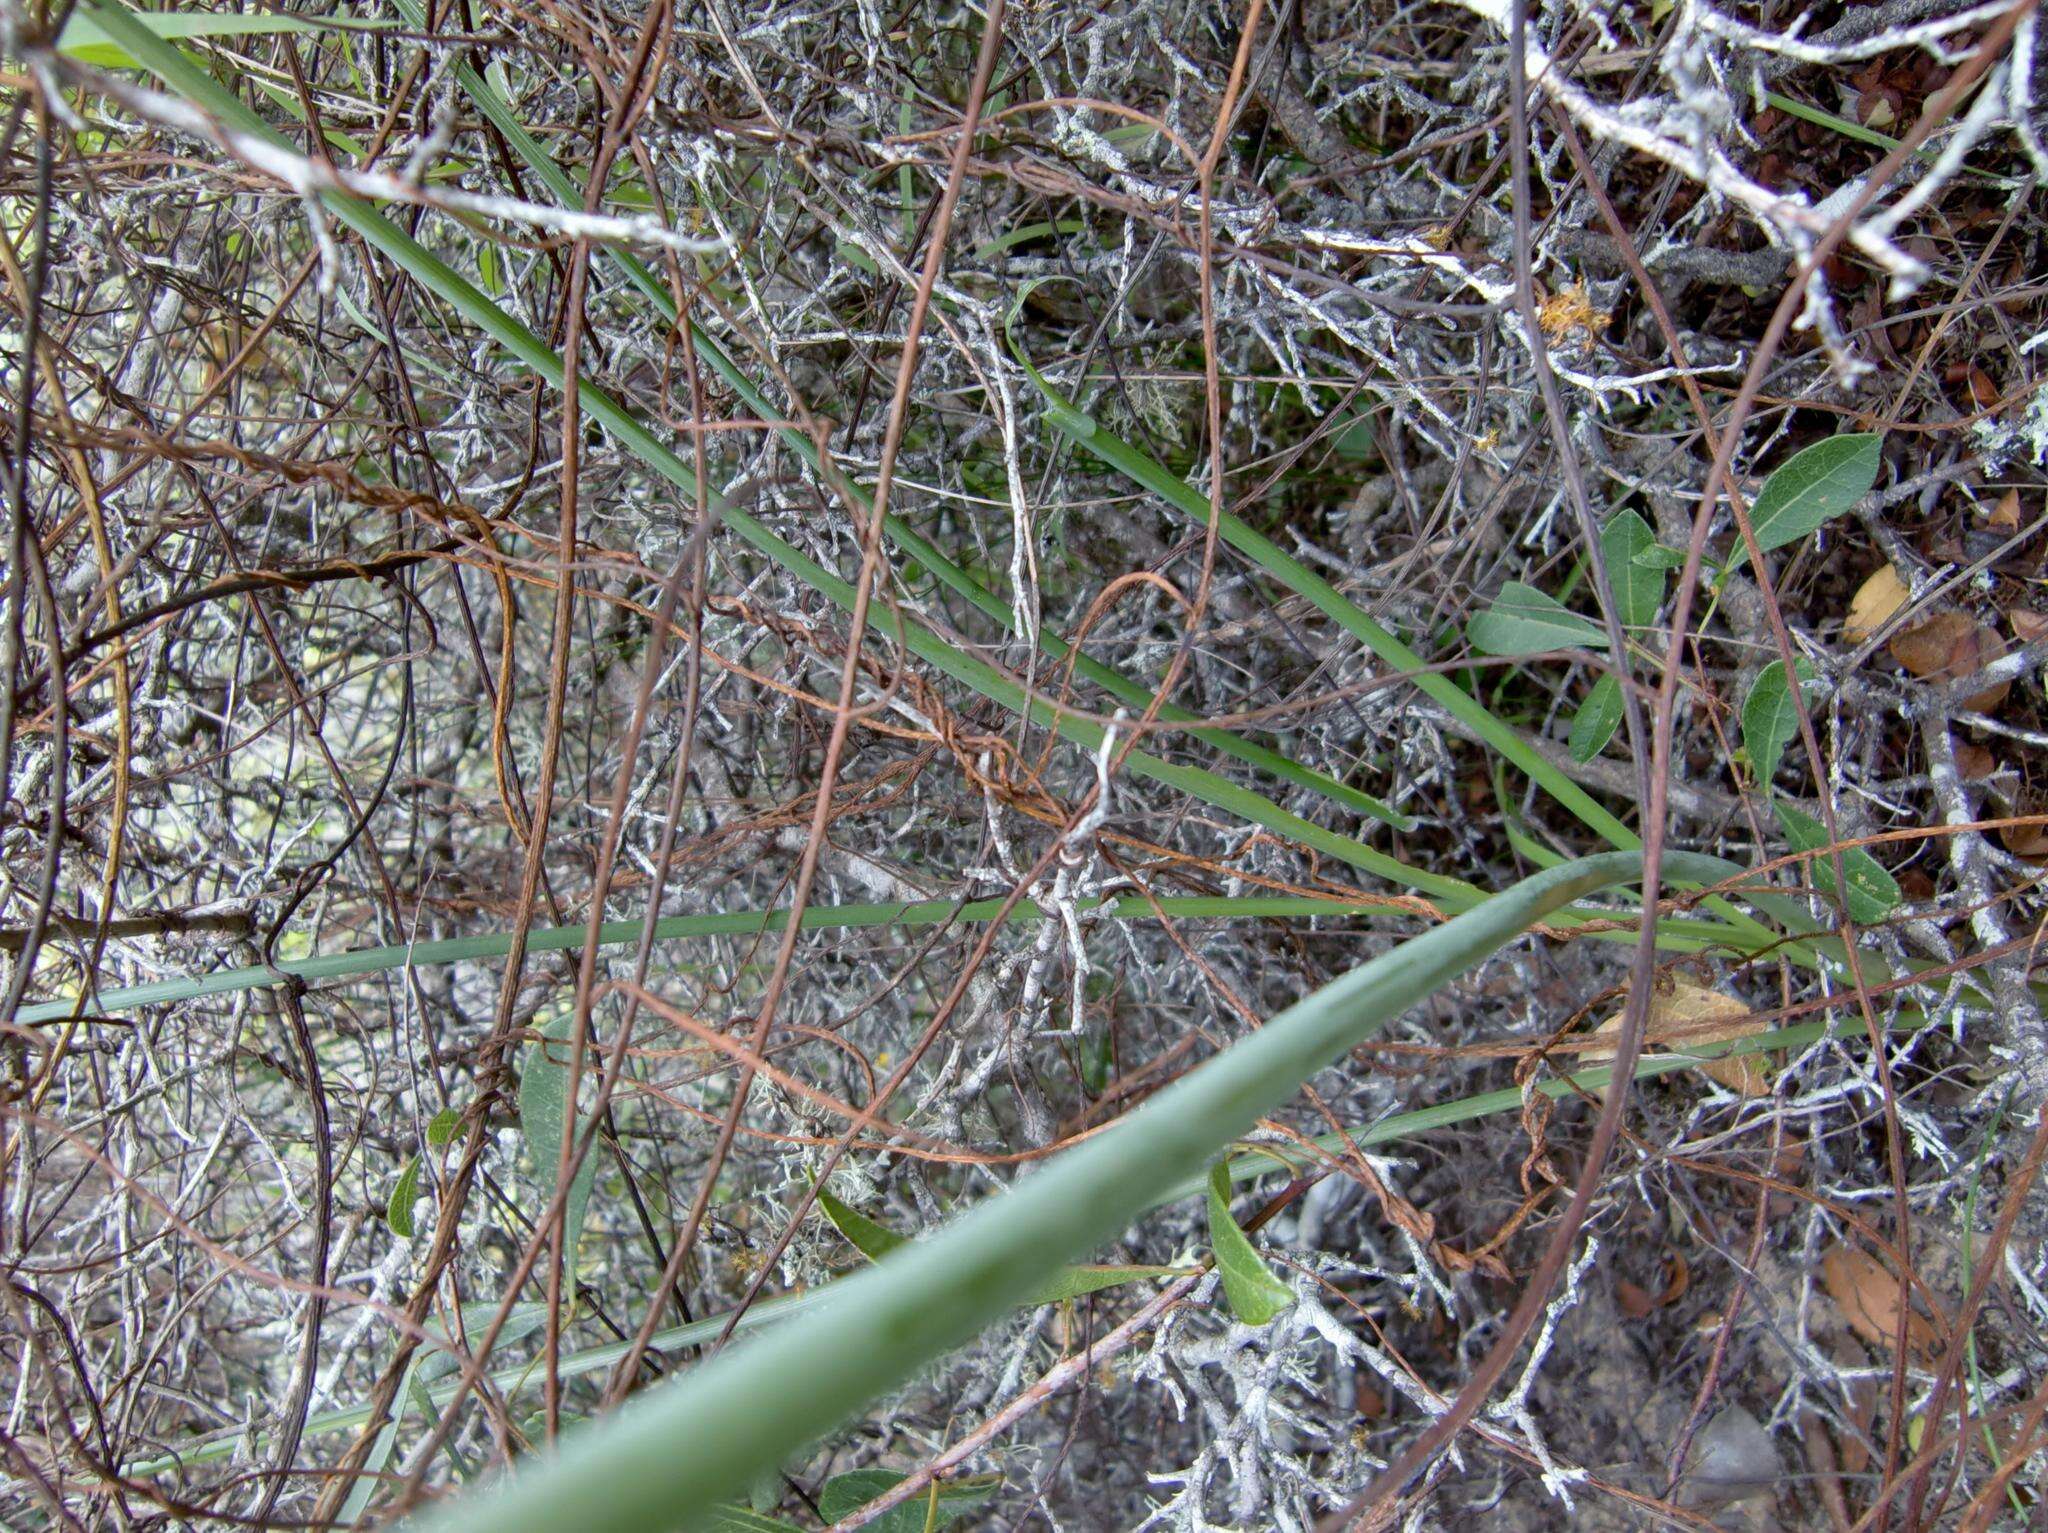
x,y
1684,1015
1874,603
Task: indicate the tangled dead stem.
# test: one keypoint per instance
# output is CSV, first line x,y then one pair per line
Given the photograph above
x,y
330,624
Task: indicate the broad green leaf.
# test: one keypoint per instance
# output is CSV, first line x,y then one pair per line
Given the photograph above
x,y
544,1118
1597,719
847,1493
1255,1295
1658,557
1813,487
1524,621
1872,894
1638,587
875,1241
398,1211
872,1240
1770,717
441,1129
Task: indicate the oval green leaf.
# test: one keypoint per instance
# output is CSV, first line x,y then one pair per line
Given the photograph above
x,y
1524,621
1638,586
846,1494
398,1212
1597,719
1871,894
1813,487
544,1118
1770,717
1255,1295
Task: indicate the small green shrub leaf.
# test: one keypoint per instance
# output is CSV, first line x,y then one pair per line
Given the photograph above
x,y
1658,557
1638,587
1523,621
1872,894
1255,1295
1813,487
875,1241
398,1212
544,1118
846,1494
740,1519
1597,719
442,1128
1770,717
1073,1282
872,1240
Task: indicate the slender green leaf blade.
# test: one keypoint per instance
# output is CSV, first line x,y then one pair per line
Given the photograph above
x,y
1597,719
87,42
1255,1295
441,1129
1872,893
1524,621
1813,487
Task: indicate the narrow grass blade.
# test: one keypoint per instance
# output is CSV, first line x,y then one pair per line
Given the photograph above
x,y
1677,935
1244,1167
568,189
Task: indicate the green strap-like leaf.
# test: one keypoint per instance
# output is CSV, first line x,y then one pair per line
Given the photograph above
x,y
681,1447
872,1240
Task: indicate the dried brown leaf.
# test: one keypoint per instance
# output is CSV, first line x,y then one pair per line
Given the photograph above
x,y
1874,604
1867,1293
1686,1015
1948,647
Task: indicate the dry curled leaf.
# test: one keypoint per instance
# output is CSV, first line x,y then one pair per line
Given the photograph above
x,y
1874,604
1948,647
1867,1293
2005,516
1974,763
2028,841
2028,624
1686,1015
1637,1301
